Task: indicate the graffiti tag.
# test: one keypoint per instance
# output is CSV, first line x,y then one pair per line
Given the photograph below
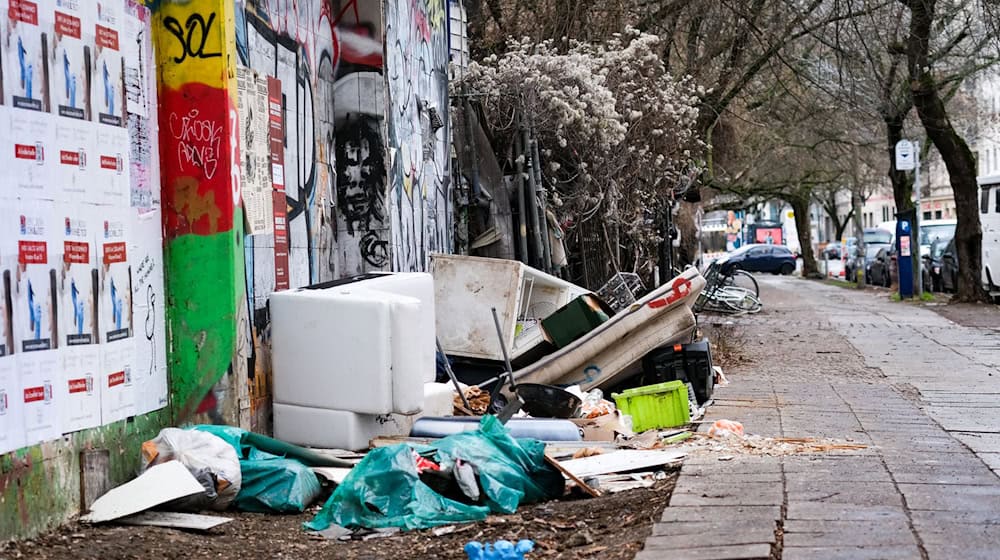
x,y
193,41
198,142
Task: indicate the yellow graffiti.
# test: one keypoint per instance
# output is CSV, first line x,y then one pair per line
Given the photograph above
x,y
195,43
435,13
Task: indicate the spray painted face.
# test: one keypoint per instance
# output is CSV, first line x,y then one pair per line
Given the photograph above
x,y
356,179
360,173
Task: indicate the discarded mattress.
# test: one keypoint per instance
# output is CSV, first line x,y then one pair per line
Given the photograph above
x,y
616,347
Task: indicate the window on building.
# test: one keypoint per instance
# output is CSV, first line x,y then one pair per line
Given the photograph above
x,y
984,200
996,200
937,214
927,215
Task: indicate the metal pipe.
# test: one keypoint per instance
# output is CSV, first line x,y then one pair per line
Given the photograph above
x,y
536,235
544,219
521,210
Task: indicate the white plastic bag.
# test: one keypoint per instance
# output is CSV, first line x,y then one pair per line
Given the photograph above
x,y
209,458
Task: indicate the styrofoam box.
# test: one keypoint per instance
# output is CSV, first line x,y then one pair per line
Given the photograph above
x,y
352,347
340,429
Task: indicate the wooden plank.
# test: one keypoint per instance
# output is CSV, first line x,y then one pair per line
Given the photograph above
x,y
158,485
95,471
174,520
576,480
621,461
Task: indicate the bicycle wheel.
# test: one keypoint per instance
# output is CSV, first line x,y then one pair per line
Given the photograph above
x,y
743,279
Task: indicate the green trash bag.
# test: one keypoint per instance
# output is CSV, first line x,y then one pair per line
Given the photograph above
x,y
275,484
271,483
385,490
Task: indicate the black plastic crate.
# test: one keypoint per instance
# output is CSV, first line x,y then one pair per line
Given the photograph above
x,y
690,363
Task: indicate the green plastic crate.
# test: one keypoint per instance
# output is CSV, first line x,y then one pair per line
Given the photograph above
x,y
664,405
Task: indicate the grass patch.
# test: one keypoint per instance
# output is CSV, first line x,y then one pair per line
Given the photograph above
x,y
927,296
895,296
841,283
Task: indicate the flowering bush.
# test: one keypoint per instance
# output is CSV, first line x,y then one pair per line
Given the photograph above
x,y
615,129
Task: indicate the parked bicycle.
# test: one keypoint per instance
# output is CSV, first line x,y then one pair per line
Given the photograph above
x,y
731,292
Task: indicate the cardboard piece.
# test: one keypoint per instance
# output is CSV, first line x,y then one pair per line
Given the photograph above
x,y
172,520
621,461
603,428
158,485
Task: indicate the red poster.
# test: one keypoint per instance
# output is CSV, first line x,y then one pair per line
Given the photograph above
x,y
76,252
276,128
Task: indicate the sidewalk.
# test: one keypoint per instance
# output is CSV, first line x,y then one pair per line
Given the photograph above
x,y
828,362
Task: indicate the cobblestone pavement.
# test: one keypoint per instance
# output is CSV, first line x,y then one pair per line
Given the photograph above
x,y
921,391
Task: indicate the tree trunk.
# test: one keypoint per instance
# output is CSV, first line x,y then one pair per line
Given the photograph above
x,y
957,156
902,185
859,230
800,207
840,226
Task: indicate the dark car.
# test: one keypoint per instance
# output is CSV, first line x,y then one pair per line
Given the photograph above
x,y
776,259
875,240
934,264
883,270
949,267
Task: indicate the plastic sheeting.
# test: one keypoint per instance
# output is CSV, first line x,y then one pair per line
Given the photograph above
x,y
386,490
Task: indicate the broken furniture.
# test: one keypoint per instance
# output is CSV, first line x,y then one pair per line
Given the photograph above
x,y
465,288
690,363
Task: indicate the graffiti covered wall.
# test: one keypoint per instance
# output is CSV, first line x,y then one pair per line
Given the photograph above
x,y
417,73
354,200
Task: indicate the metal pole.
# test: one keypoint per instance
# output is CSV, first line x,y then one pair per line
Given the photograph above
x,y
544,218
917,256
521,210
536,234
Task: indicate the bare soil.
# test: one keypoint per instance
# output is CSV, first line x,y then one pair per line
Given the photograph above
x,y
610,527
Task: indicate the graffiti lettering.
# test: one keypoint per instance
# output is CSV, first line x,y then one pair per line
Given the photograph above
x,y
234,155
198,142
193,41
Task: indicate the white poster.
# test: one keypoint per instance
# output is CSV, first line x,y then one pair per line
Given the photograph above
x,y
111,170
73,163
72,47
150,365
25,23
11,407
135,53
34,282
117,383
258,201
80,398
29,146
8,269
77,280
108,90
39,374
115,294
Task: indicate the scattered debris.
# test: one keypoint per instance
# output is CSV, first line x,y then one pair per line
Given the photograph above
x,y
621,461
724,428
759,445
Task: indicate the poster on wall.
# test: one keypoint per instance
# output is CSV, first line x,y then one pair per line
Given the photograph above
x,y
108,86
11,406
111,168
69,60
39,375
115,293
150,365
255,152
73,141
77,279
117,383
34,282
80,401
8,263
136,52
27,34
276,134
29,147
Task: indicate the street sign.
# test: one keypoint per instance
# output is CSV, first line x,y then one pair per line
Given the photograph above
x,y
905,156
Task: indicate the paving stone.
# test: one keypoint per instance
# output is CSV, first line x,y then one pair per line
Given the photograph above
x,y
951,497
857,493
701,486
714,526
734,478
851,553
711,513
857,533
828,475
931,517
960,552
846,512
770,498
752,535
992,460
937,476
737,552
896,524
974,536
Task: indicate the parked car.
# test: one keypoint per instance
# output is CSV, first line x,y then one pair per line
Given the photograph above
x,y
934,264
949,267
833,251
777,259
931,230
884,270
875,239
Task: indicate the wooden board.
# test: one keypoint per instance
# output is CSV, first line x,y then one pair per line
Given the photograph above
x,y
621,461
174,520
158,485
95,470
583,485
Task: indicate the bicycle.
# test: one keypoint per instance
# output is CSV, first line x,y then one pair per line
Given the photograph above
x,y
721,296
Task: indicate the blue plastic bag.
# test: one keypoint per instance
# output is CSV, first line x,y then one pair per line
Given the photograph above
x,y
385,489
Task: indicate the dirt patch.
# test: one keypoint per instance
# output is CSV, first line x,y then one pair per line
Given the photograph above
x,y
610,527
981,315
